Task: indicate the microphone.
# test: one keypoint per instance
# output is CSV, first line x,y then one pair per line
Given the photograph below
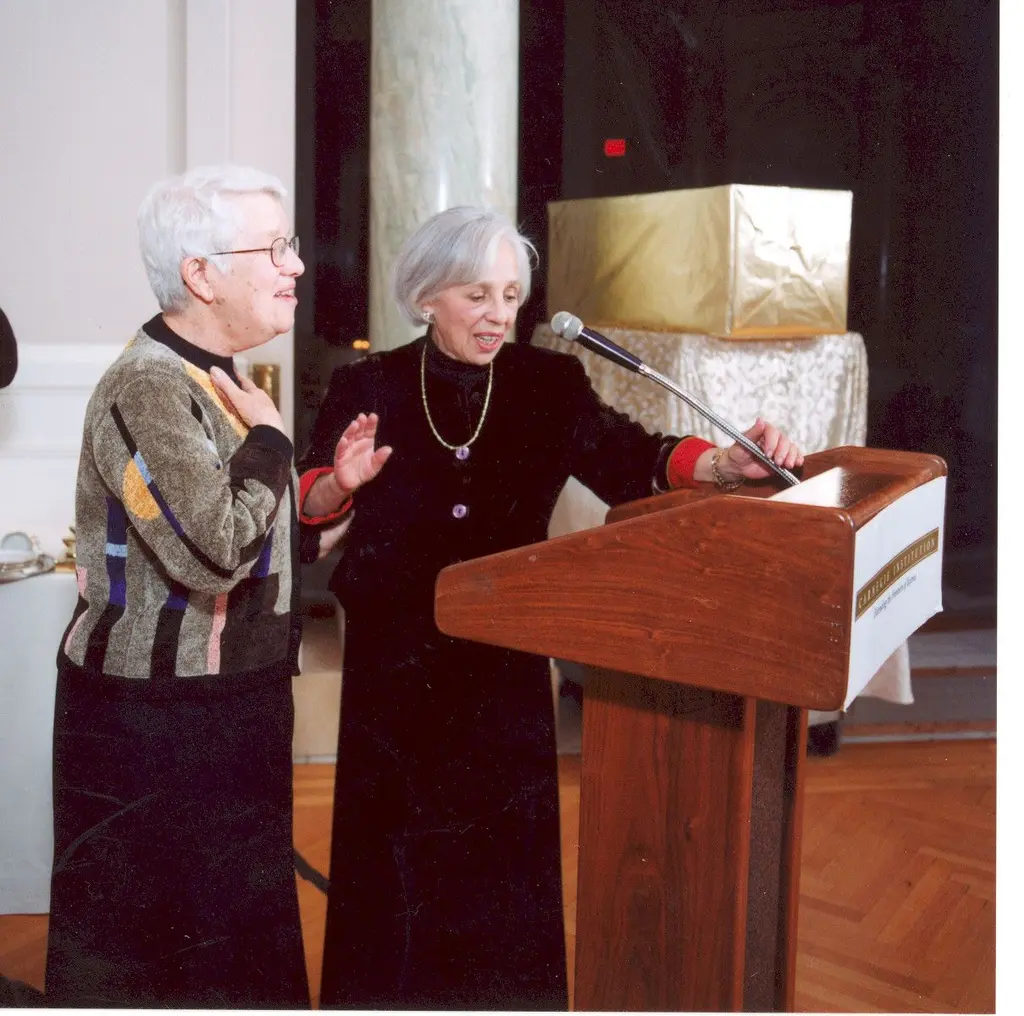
x,y
572,329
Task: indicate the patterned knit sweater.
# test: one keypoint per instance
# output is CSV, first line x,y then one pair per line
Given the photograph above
x,y
187,539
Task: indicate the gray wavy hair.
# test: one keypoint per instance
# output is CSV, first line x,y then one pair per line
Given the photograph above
x,y
454,248
190,216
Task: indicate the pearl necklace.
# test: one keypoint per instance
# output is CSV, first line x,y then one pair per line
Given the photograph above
x,y
461,451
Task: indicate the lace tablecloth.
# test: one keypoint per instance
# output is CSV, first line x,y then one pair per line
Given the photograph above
x,y
815,389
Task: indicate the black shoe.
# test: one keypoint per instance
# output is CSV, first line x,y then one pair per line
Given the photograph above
x,y
823,739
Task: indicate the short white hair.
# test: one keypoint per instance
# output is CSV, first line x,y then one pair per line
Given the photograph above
x,y
454,248
194,215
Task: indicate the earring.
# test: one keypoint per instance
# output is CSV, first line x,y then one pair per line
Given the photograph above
x,y
428,316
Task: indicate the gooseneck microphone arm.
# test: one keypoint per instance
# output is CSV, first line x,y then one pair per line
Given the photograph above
x,y
723,425
572,329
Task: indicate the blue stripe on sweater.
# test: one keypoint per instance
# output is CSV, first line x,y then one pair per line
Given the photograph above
x,y
262,567
117,550
140,462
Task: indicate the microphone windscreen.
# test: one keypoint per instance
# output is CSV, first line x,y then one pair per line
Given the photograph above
x,y
566,325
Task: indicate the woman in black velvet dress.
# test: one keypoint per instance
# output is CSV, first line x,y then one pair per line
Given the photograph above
x,y
445,880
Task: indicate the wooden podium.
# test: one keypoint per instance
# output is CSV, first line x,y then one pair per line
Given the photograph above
x,y
711,623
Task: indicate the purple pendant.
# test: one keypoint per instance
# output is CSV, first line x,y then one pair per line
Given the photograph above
x,y
462,453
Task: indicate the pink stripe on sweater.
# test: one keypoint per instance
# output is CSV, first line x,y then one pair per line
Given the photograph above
x,y
220,616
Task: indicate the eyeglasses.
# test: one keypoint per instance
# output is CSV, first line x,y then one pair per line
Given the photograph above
x,y
278,250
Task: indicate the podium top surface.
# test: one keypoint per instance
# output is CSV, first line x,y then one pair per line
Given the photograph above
x,y
859,481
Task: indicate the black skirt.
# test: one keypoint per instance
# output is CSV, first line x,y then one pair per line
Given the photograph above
x,y
173,879
445,879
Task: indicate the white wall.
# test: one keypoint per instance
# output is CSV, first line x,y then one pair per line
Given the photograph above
x,y
100,99
84,123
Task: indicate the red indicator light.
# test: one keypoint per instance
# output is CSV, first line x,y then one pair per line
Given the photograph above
x,y
614,147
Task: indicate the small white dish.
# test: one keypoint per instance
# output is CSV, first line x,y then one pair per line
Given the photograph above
x,y
14,558
19,541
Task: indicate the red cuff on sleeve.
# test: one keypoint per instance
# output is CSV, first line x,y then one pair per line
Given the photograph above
x,y
306,481
683,461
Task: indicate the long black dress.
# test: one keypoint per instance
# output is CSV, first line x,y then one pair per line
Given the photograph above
x,y
173,879
445,880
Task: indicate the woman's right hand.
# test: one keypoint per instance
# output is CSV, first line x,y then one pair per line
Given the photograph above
x,y
253,405
355,463
355,460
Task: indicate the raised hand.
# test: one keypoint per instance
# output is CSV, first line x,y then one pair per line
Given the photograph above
x,y
356,461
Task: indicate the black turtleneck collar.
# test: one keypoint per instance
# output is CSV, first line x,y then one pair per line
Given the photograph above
x,y
158,329
443,365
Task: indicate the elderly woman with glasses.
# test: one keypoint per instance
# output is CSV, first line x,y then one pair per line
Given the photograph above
x,y
173,881
445,878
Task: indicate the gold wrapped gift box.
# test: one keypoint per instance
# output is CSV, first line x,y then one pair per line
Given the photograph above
x,y
736,262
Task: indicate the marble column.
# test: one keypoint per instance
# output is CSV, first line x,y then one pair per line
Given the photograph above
x,y
444,115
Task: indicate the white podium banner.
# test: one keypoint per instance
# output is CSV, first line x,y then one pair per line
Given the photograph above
x,y
897,578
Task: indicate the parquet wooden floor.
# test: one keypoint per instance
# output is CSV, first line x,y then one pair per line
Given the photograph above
x,y
897,885
897,903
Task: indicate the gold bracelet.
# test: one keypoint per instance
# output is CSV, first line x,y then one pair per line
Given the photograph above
x,y
720,481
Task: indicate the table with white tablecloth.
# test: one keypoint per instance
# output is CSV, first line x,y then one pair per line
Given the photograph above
x,y
34,613
814,389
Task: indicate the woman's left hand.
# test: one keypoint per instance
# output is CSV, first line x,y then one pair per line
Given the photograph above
x,y
736,463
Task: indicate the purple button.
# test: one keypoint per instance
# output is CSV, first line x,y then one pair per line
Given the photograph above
x,y
459,511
